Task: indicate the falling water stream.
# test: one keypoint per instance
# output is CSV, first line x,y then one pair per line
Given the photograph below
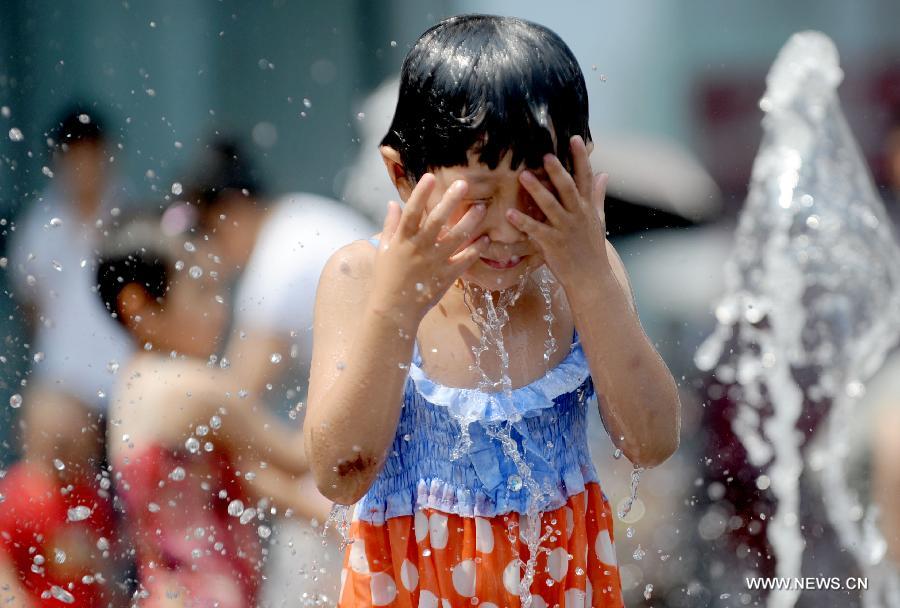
x,y
812,290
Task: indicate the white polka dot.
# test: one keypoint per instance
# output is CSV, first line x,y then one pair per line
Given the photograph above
x,y
384,590
464,578
511,577
604,548
437,527
343,584
538,602
558,563
574,598
570,522
409,575
358,560
487,605
445,603
427,599
484,536
421,526
589,596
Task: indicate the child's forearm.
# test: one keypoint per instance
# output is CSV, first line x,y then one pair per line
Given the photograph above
x,y
638,397
351,425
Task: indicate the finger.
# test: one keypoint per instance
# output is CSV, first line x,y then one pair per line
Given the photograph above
x,y
415,206
391,221
438,216
538,231
464,228
546,200
468,256
598,195
581,166
562,181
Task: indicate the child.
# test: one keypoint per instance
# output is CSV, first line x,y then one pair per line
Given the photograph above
x,y
471,494
194,477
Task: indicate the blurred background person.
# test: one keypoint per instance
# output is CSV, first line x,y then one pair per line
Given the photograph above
x,y
278,246
197,472
58,524
53,267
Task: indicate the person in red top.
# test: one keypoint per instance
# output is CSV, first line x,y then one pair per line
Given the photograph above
x,y
199,469
56,541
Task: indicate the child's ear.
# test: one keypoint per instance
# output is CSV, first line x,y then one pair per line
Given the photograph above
x,y
133,305
397,172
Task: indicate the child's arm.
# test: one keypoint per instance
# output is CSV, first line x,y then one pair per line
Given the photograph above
x,y
368,308
640,404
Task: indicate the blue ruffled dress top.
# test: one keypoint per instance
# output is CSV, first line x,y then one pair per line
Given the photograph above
x,y
546,419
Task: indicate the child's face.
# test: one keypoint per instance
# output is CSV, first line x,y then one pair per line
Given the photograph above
x,y
510,253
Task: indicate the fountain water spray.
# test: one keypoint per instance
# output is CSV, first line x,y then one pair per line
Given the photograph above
x,y
813,285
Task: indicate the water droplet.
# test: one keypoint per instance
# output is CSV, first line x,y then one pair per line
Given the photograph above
x,y
215,422
112,367
177,474
426,552
275,358
5,112
629,532
306,102
189,247
176,188
514,483
264,531
15,401
235,508
15,134
638,554
617,454
55,222
62,595
393,44
196,272
153,507
248,515
192,444
208,446
420,287
58,464
201,430
360,116
38,357
648,591
102,544
79,513
57,265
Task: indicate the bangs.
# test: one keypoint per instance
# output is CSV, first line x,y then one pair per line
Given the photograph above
x,y
492,85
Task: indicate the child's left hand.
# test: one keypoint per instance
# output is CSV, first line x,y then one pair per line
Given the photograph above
x,y
573,238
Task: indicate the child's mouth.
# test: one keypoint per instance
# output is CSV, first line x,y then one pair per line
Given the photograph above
x,y
504,264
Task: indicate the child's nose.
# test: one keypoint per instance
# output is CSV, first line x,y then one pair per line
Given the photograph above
x,y
499,229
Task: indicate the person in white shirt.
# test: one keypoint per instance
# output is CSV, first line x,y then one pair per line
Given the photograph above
x,y
279,246
75,347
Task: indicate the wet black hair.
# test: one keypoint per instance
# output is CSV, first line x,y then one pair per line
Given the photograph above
x,y
77,123
488,84
134,253
222,166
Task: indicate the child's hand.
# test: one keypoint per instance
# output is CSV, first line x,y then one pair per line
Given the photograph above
x,y
573,238
419,257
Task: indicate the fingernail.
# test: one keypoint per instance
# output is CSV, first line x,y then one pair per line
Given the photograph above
x,y
479,207
527,176
458,186
548,158
512,214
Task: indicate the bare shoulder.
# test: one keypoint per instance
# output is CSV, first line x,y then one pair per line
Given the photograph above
x,y
351,264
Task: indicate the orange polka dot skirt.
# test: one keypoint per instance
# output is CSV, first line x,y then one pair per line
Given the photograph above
x,y
439,560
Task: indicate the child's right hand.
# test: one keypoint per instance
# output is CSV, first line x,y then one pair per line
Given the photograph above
x,y
419,256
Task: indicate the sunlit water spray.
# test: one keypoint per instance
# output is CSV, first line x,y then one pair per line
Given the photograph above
x,y
813,286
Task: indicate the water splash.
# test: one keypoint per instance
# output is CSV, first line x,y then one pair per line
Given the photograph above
x,y
491,318
547,282
339,517
813,286
625,508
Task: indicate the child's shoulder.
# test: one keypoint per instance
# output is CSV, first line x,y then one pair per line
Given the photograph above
x,y
353,263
